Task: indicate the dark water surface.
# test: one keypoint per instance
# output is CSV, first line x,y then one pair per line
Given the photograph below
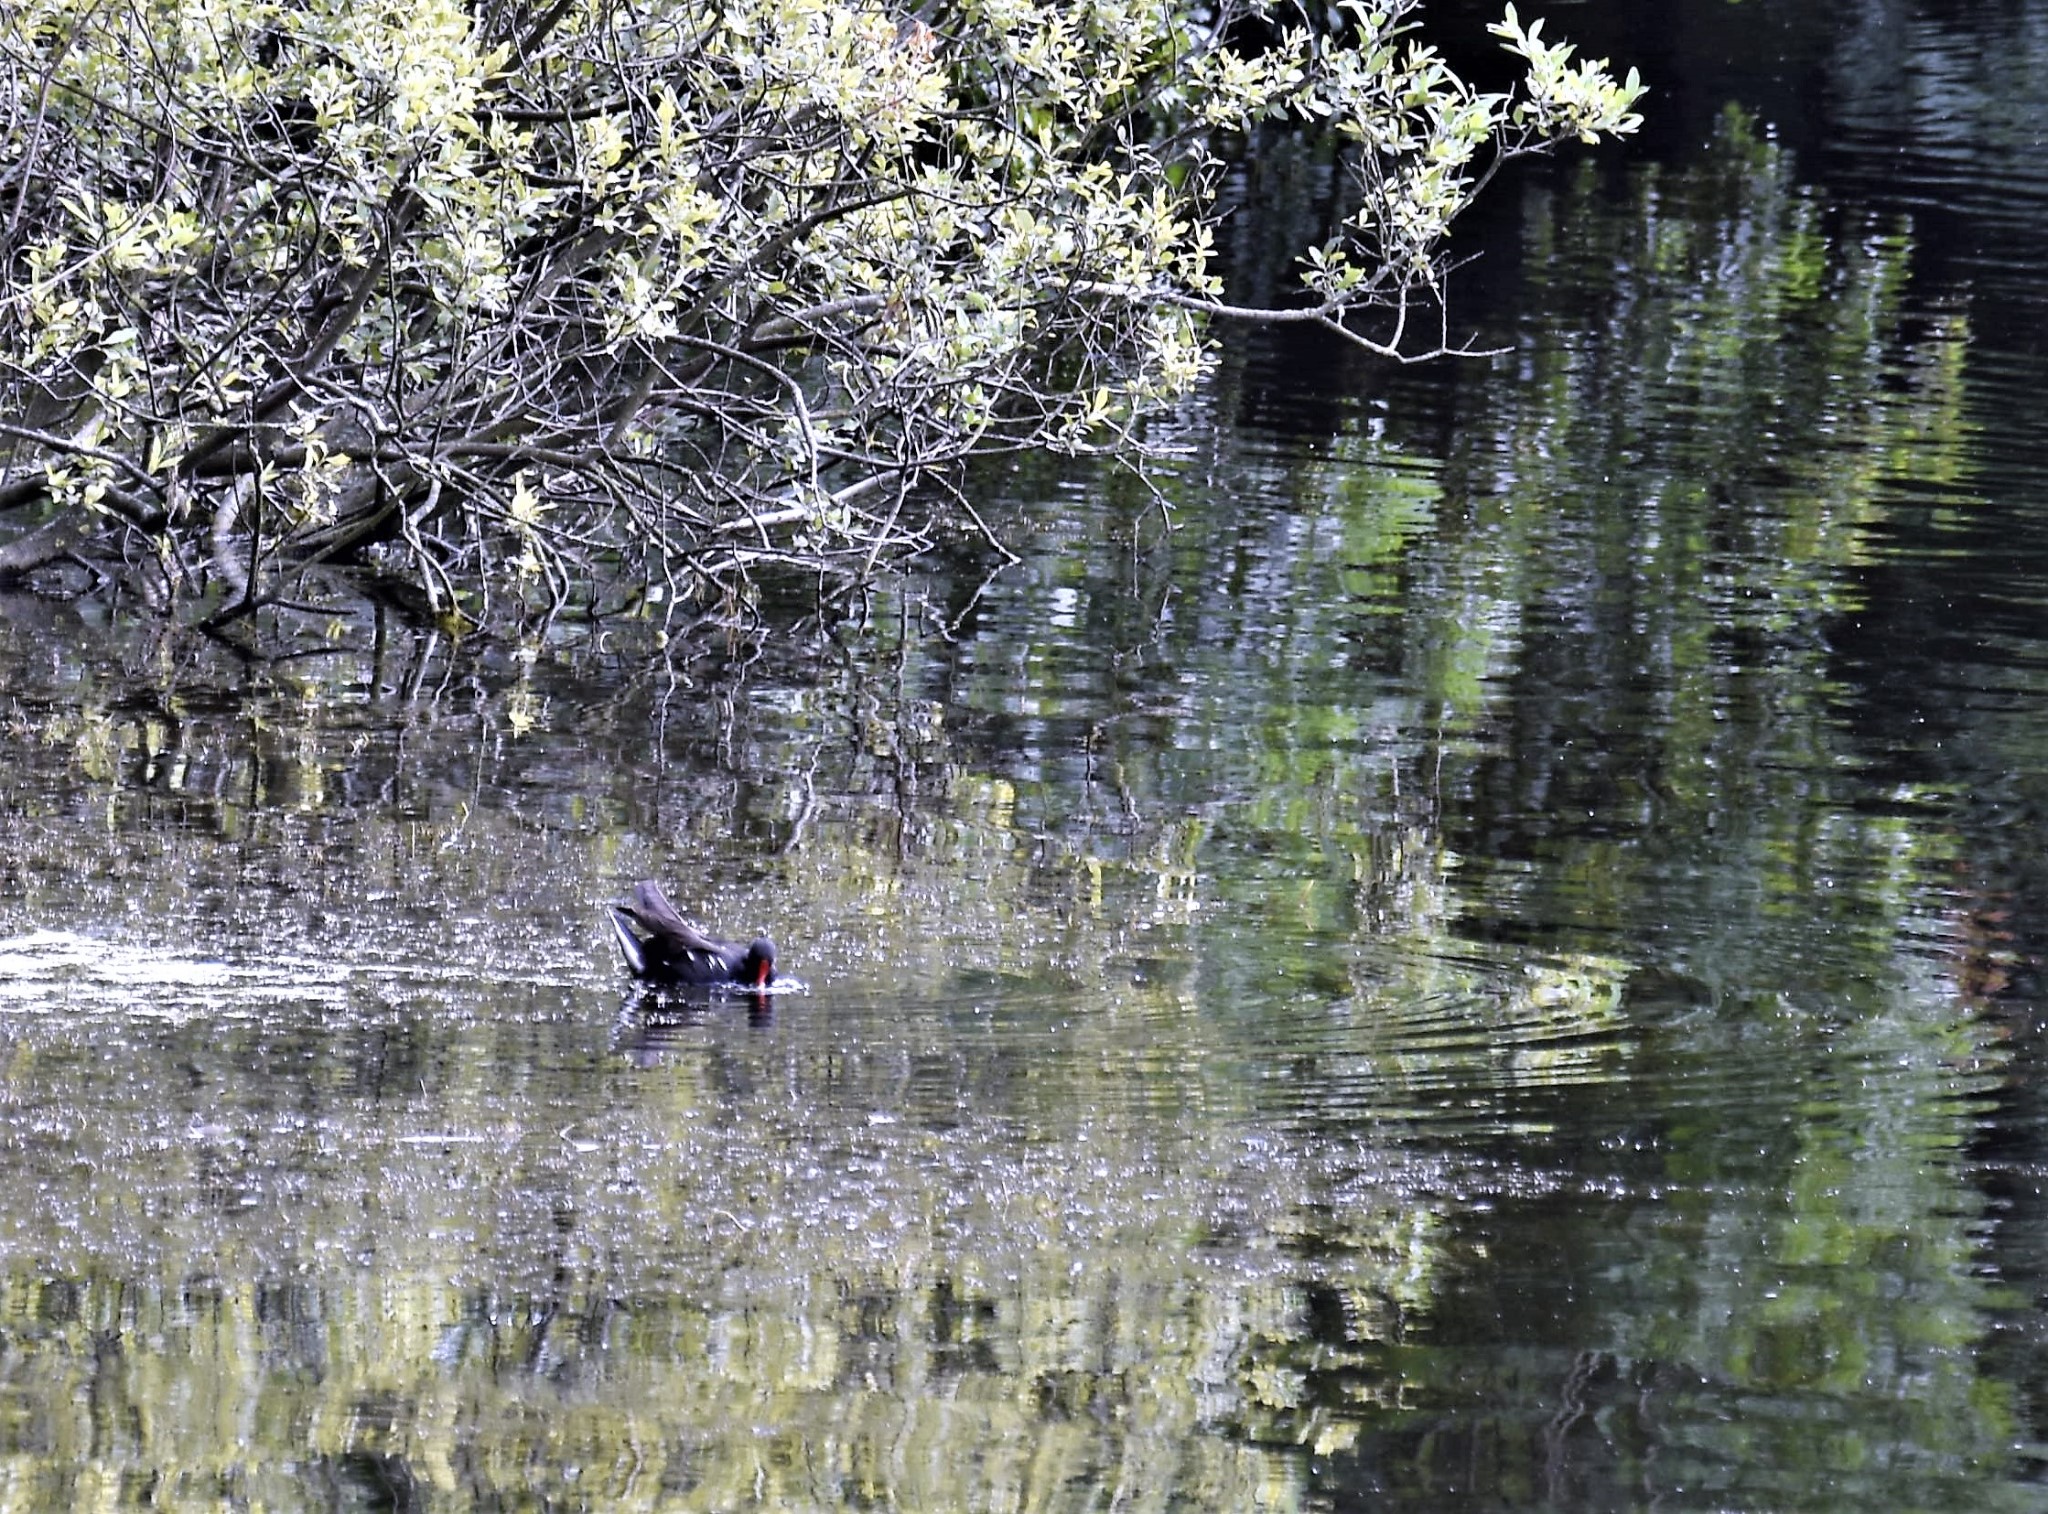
x,y
1480,951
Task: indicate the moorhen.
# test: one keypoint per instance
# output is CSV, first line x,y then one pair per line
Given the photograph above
x,y
662,947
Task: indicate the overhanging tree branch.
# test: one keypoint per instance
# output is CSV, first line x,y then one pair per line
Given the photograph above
x,y
524,300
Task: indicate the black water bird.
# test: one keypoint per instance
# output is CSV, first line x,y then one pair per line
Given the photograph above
x,y
662,947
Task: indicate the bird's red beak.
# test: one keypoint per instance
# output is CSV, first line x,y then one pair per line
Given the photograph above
x,y
761,975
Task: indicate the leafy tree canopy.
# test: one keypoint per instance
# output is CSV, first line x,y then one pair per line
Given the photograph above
x,y
515,297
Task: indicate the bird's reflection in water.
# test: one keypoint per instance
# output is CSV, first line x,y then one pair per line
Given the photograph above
x,y
655,1021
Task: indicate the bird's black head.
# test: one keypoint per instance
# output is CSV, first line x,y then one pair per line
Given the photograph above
x,y
758,969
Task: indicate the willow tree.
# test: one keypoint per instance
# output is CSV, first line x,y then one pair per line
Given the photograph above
x,y
519,299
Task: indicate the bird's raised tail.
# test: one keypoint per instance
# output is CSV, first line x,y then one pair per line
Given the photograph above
x,y
629,944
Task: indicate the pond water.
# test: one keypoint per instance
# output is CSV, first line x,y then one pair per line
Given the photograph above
x,y
1480,948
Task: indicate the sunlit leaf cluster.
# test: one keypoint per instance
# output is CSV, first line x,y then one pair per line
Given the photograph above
x,y
517,301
